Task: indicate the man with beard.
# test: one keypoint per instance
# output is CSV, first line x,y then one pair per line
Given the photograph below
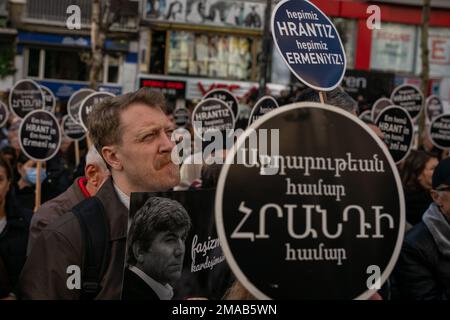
x,y
133,135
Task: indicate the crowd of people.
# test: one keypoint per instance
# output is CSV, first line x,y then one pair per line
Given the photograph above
x,y
131,152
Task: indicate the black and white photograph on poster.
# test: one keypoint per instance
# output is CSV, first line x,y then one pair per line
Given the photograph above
x,y
439,131
181,117
49,99
236,13
172,10
212,115
366,116
227,97
410,98
71,129
379,106
304,210
25,97
4,114
200,269
398,131
262,107
74,103
88,104
40,135
433,107
309,44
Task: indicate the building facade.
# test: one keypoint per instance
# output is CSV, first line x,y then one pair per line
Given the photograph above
x,y
56,55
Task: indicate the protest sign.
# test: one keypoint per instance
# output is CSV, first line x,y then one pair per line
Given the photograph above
x,y
205,272
378,106
410,98
298,224
181,117
74,103
212,115
88,104
49,99
262,107
25,97
366,116
398,131
309,44
433,107
39,139
439,131
227,97
4,114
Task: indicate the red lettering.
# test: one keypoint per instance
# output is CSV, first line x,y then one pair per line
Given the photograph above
x,y
153,84
438,49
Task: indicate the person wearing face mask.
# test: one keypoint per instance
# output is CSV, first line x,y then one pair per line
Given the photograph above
x,y
14,225
26,185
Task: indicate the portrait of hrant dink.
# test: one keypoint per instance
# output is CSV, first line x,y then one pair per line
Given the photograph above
x,y
155,250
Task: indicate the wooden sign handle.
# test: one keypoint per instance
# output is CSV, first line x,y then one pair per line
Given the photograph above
x,y
37,196
89,142
77,153
322,97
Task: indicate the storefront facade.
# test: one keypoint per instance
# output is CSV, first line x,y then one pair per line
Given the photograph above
x,y
57,57
395,47
204,44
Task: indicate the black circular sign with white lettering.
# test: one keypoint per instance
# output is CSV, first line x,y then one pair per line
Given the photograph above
x,y
49,99
379,105
212,115
408,97
71,129
366,116
4,114
74,103
298,223
433,107
25,97
89,103
398,131
225,96
181,117
439,131
40,135
262,107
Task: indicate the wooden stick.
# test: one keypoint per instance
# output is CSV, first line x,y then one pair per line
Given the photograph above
x,y
77,153
89,141
37,196
322,97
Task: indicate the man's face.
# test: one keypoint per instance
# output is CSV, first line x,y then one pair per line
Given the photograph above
x,y
442,199
145,150
164,259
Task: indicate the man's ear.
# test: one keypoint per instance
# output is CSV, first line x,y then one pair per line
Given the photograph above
x,y
90,172
109,153
436,197
137,252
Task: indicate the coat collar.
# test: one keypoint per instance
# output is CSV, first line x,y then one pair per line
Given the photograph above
x,y
116,212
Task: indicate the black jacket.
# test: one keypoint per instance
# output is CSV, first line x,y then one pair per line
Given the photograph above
x,y
13,243
134,288
417,202
423,269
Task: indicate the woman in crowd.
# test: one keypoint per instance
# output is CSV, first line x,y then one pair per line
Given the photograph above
x,y
14,225
416,172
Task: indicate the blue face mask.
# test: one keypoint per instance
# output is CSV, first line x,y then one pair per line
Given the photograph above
x,y
31,175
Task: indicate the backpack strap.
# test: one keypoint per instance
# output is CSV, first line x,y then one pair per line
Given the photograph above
x,y
95,244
